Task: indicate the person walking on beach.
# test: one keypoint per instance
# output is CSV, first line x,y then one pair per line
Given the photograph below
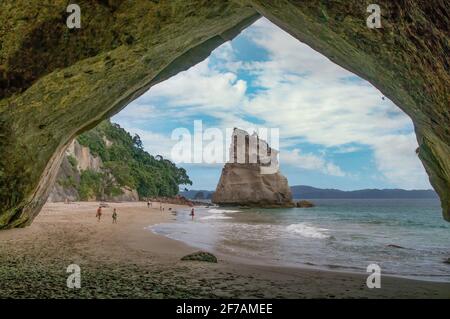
x,y
99,213
114,216
192,213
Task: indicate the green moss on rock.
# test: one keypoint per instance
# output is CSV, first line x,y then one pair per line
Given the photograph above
x,y
200,256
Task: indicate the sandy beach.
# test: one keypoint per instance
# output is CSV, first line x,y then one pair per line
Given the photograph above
x,y
125,260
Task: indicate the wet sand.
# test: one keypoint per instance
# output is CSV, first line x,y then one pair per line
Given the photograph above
x,y
125,260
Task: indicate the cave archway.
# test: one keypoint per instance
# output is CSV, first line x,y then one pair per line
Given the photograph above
x,y
57,83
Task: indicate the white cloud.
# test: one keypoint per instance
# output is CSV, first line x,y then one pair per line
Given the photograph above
x,y
154,143
310,161
201,87
308,96
138,113
396,158
303,93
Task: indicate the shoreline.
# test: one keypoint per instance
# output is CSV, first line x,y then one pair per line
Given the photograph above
x,y
127,260
261,262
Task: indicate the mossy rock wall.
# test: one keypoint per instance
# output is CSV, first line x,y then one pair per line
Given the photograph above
x,y
56,83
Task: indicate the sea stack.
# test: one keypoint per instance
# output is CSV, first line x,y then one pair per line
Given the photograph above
x,y
251,177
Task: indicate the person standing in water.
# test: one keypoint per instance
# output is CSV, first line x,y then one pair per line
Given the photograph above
x,y
114,216
192,213
99,213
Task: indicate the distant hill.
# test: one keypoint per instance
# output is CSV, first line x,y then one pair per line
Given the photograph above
x,y
197,194
309,192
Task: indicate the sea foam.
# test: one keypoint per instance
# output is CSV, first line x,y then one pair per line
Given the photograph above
x,y
221,211
215,213
306,230
216,216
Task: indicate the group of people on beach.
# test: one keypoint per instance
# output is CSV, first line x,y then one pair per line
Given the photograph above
x,y
99,214
161,208
149,205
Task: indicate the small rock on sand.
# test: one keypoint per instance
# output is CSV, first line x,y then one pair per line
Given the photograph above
x,y
201,256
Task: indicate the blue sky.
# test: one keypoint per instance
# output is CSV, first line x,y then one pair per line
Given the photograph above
x,y
336,130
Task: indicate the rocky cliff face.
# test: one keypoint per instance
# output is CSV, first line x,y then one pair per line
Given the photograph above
x,y
56,83
252,178
76,160
244,185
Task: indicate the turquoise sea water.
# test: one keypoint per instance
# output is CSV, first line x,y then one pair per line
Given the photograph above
x,y
336,234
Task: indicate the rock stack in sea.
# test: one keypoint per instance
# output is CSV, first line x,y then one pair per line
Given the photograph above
x,y
252,177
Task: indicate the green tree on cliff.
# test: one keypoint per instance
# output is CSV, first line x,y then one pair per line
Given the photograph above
x,y
125,158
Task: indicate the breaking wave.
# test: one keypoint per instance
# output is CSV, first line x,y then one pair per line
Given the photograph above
x,y
306,230
221,211
216,216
